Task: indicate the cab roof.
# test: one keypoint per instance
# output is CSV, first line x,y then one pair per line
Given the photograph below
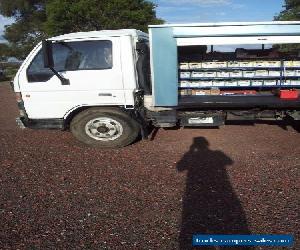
x,y
101,33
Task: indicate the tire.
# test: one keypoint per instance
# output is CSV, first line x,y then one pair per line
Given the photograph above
x,y
104,128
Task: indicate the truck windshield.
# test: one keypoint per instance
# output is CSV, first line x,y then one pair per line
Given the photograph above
x,y
87,55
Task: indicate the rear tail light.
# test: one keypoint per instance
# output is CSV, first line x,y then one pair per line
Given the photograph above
x,y
18,97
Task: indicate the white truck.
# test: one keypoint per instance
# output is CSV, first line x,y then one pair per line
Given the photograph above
x,y
108,87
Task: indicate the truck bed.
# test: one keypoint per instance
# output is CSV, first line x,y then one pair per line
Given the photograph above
x,y
240,102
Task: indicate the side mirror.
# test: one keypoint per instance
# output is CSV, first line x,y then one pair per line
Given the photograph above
x,y
47,53
49,62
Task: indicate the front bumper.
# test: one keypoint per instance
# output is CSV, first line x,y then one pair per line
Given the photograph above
x,y
21,122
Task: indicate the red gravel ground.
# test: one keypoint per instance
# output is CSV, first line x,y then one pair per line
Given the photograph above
x,y
59,194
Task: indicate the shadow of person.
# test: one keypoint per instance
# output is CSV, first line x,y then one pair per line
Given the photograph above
x,y
210,205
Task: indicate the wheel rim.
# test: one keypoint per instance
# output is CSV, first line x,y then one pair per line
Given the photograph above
x,y
104,129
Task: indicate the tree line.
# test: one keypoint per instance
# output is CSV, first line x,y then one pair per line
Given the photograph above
x,y
38,19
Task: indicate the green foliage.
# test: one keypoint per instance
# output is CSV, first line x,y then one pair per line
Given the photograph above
x,y
4,51
10,70
27,29
37,19
291,11
85,15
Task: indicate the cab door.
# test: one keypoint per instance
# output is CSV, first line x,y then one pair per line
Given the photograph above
x,y
93,69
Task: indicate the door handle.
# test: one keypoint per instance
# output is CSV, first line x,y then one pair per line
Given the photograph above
x,y
105,94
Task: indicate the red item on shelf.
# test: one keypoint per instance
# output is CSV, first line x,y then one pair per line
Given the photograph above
x,y
289,94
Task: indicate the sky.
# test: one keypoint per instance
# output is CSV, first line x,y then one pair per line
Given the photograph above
x,y
4,21
183,11
187,11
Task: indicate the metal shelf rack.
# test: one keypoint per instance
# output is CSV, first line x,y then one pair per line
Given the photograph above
x,y
280,79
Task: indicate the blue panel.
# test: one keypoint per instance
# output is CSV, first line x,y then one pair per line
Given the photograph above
x,y
164,67
251,30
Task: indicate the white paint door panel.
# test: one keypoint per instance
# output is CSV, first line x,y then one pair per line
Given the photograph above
x,y
89,85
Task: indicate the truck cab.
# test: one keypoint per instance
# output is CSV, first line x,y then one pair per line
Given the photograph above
x,y
100,68
107,87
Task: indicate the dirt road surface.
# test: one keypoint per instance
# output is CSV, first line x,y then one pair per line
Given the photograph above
x,y
56,193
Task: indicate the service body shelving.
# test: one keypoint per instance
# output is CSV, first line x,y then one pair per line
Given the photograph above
x,y
281,80
165,40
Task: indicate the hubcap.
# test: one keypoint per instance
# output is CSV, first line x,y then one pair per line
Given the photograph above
x,y
104,129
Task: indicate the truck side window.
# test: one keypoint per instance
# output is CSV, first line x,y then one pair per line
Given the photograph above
x,y
71,56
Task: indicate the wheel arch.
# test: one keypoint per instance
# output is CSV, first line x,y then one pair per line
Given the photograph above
x,y
76,110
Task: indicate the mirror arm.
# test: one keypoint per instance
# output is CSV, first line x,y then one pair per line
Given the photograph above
x,y
49,62
64,81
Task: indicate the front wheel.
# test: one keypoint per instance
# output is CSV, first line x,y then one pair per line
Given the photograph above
x,y
104,127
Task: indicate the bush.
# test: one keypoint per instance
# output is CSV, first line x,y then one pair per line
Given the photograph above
x,y
8,71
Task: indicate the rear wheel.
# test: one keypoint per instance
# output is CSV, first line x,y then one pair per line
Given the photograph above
x,y
104,127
